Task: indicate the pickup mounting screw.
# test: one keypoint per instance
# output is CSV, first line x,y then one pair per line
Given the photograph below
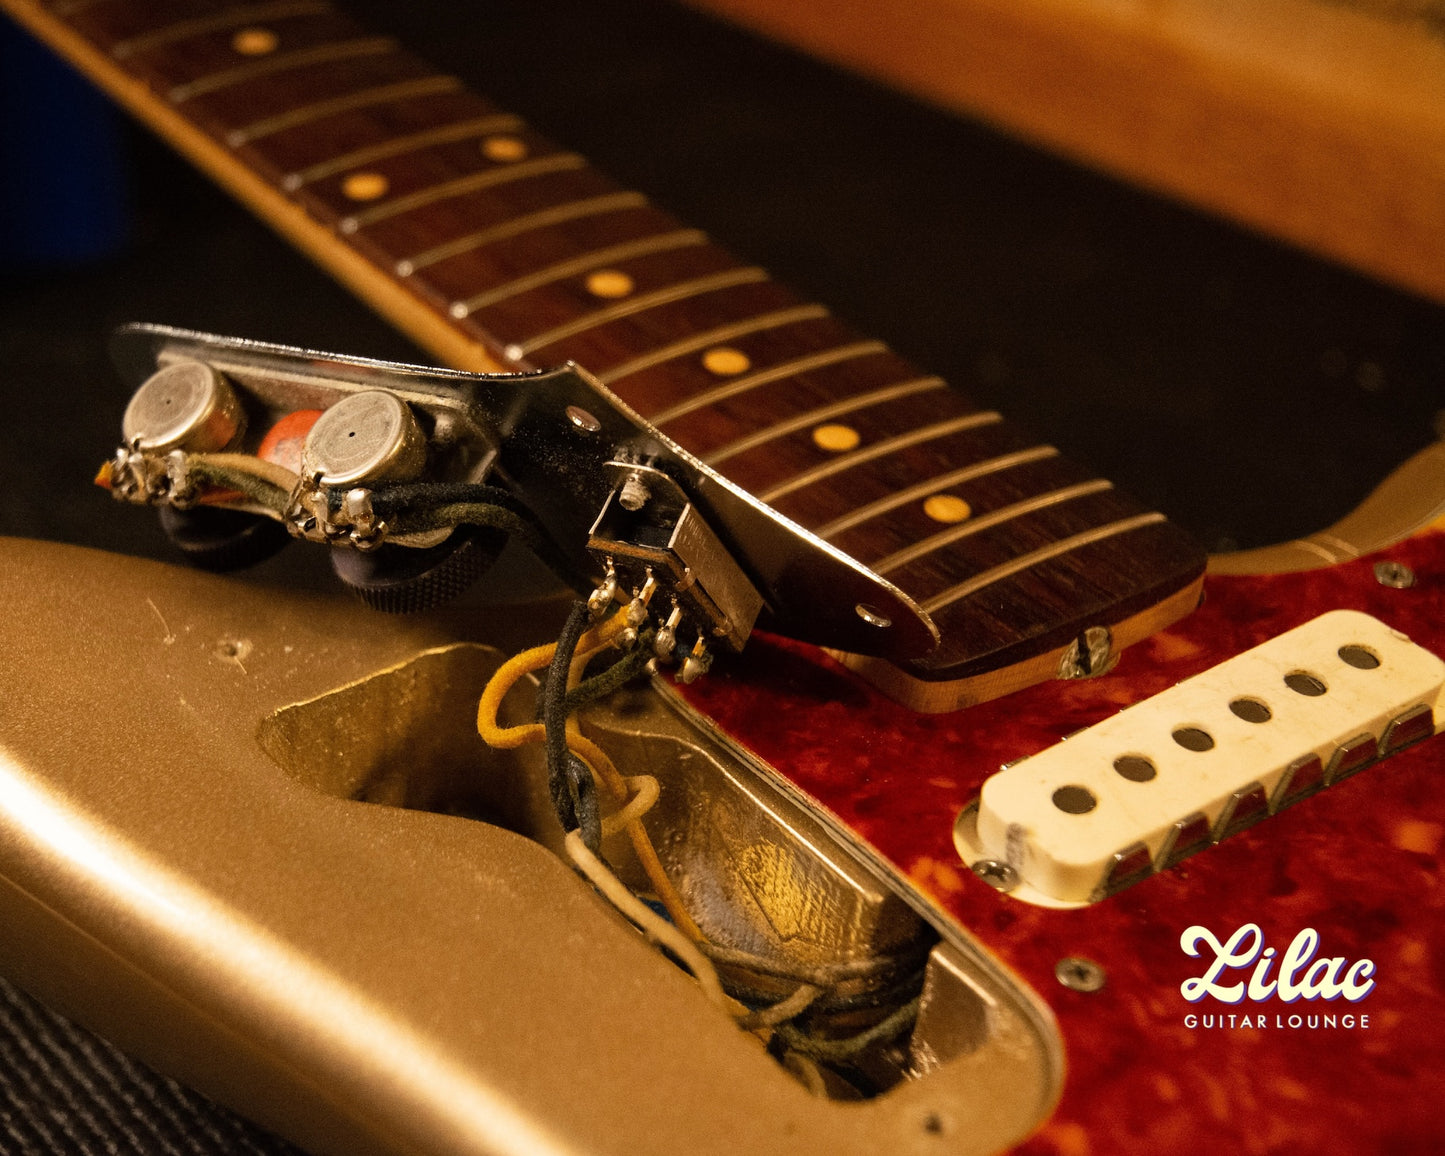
x,y
1395,575
997,874
1079,974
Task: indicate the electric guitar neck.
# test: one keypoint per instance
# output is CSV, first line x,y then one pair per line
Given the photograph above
x,y
499,250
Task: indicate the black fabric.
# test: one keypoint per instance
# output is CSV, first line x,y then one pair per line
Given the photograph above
x,y
64,1090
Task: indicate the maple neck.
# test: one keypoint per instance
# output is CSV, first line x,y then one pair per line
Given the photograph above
x,y
498,249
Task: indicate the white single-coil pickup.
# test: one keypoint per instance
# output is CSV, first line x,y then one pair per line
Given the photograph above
x,y
1196,763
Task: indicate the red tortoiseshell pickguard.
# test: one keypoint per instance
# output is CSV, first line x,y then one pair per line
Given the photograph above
x,y
1358,862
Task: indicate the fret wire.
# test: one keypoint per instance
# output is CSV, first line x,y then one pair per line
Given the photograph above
x,y
557,215
977,525
764,377
678,292
880,449
934,485
471,183
282,62
730,332
306,114
444,134
1028,561
824,413
643,247
218,22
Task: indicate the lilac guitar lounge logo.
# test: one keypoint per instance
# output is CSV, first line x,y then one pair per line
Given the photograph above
x,y
1245,970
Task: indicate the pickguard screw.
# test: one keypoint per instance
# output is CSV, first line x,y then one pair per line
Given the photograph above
x,y
1079,974
997,874
583,420
1395,575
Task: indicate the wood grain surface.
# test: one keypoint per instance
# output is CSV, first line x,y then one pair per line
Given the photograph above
x,y
1321,122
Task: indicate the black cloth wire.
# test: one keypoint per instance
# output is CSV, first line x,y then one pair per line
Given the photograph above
x,y
574,794
411,502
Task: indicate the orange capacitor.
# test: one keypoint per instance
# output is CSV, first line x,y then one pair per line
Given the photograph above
x,y
283,441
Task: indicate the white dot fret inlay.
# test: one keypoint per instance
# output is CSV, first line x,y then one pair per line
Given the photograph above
x,y
397,146
471,183
933,485
217,22
798,365
284,62
679,292
825,413
880,449
642,247
731,332
934,542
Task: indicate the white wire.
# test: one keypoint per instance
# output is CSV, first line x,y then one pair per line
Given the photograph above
x,y
656,928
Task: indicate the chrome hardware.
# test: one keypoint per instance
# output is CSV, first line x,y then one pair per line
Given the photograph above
x,y
1079,974
998,875
574,454
1089,655
1395,575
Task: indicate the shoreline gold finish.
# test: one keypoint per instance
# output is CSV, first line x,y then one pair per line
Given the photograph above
x,y
376,978
1408,500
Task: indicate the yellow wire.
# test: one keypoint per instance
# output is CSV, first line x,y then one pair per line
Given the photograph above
x,y
509,738
519,666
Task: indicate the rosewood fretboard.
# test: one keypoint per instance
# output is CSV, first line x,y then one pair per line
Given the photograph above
x,y
497,248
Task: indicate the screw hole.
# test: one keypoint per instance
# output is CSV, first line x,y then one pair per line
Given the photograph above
x,y
1075,800
871,616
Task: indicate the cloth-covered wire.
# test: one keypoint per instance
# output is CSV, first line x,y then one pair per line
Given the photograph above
x,y
409,508
621,672
826,975
848,1047
495,735
659,930
415,507
571,756
263,482
569,780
